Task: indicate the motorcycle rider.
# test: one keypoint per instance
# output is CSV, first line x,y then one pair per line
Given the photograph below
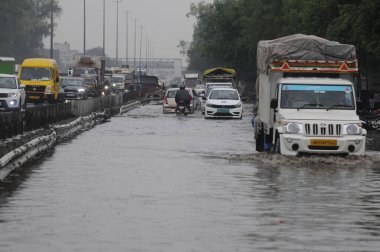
x,y
184,96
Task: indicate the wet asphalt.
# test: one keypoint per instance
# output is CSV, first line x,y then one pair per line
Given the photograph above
x,y
152,182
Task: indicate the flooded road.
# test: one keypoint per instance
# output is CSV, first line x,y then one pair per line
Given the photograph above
x,y
153,182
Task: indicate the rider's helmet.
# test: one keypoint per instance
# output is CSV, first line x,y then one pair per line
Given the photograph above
x,y
182,87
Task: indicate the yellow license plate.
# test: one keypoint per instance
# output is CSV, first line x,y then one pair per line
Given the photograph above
x,y
33,97
323,142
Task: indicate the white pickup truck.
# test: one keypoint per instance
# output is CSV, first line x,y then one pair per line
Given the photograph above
x,y
307,100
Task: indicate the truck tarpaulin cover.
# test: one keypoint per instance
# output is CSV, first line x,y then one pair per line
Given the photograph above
x,y
219,71
302,47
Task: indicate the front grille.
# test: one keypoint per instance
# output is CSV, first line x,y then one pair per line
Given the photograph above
x,y
71,90
221,106
3,95
35,88
323,129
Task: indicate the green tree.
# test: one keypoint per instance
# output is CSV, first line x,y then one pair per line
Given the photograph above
x,y
24,25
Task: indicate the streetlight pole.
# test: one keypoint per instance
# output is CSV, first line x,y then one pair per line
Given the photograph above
x,y
117,30
51,30
84,27
126,40
134,54
140,48
104,28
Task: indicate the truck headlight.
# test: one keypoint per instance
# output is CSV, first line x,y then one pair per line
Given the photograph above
x,y
48,89
13,95
81,90
352,129
293,128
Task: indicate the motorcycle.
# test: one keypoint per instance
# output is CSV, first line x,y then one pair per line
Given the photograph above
x,y
181,108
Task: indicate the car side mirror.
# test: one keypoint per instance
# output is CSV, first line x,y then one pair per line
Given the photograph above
x,y
273,103
204,98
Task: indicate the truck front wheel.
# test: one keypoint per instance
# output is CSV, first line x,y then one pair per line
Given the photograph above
x,y
277,144
260,141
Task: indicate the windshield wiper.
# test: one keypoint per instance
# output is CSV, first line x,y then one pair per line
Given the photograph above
x,y
310,105
339,106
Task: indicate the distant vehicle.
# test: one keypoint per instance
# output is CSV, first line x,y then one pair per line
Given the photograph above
x,y
191,80
150,86
91,85
169,104
118,82
12,93
41,79
74,87
223,102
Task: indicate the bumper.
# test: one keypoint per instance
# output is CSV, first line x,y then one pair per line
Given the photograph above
x,y
293,144
223,113
74,96
11,104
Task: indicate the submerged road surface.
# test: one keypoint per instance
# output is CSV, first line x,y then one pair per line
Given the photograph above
x,y
153,182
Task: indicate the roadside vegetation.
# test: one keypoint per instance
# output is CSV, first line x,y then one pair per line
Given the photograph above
x,y
226,32
24,24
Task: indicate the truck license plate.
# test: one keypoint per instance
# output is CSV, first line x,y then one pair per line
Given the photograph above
x,y
33,97
323,142
222,110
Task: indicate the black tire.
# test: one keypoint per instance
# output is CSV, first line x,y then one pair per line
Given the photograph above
x,y
276,149
260,140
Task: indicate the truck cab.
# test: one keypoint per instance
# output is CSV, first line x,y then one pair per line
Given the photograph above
x,y
316,115
41,79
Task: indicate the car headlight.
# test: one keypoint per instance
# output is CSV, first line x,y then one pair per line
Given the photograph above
x,y
238,105
12,102
13,95
81,90
293,128
352,129
106,87
48,89
114,85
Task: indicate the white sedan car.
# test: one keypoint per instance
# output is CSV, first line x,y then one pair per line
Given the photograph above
x,y
223,103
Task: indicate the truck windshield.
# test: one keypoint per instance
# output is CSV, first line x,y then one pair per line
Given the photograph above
x,y
296,96
36,74
8,82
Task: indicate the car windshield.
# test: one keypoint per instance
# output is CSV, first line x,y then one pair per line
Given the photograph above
x,y
36,74
8,82
117,79
296,96
73,82
224,95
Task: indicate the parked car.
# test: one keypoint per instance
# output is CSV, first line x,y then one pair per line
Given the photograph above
x,y
74,88
223,102
169,104
199,92
12,93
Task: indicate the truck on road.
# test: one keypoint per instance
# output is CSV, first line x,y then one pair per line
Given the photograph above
x,y
306,97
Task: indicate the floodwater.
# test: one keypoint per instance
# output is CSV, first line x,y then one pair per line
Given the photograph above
x,y
152,182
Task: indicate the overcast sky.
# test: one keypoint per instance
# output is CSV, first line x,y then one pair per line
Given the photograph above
x,y
164,22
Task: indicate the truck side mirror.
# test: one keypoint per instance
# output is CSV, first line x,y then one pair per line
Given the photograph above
x,y
273,103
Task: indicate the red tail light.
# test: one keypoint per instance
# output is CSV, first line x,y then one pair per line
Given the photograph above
x,y
165,99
